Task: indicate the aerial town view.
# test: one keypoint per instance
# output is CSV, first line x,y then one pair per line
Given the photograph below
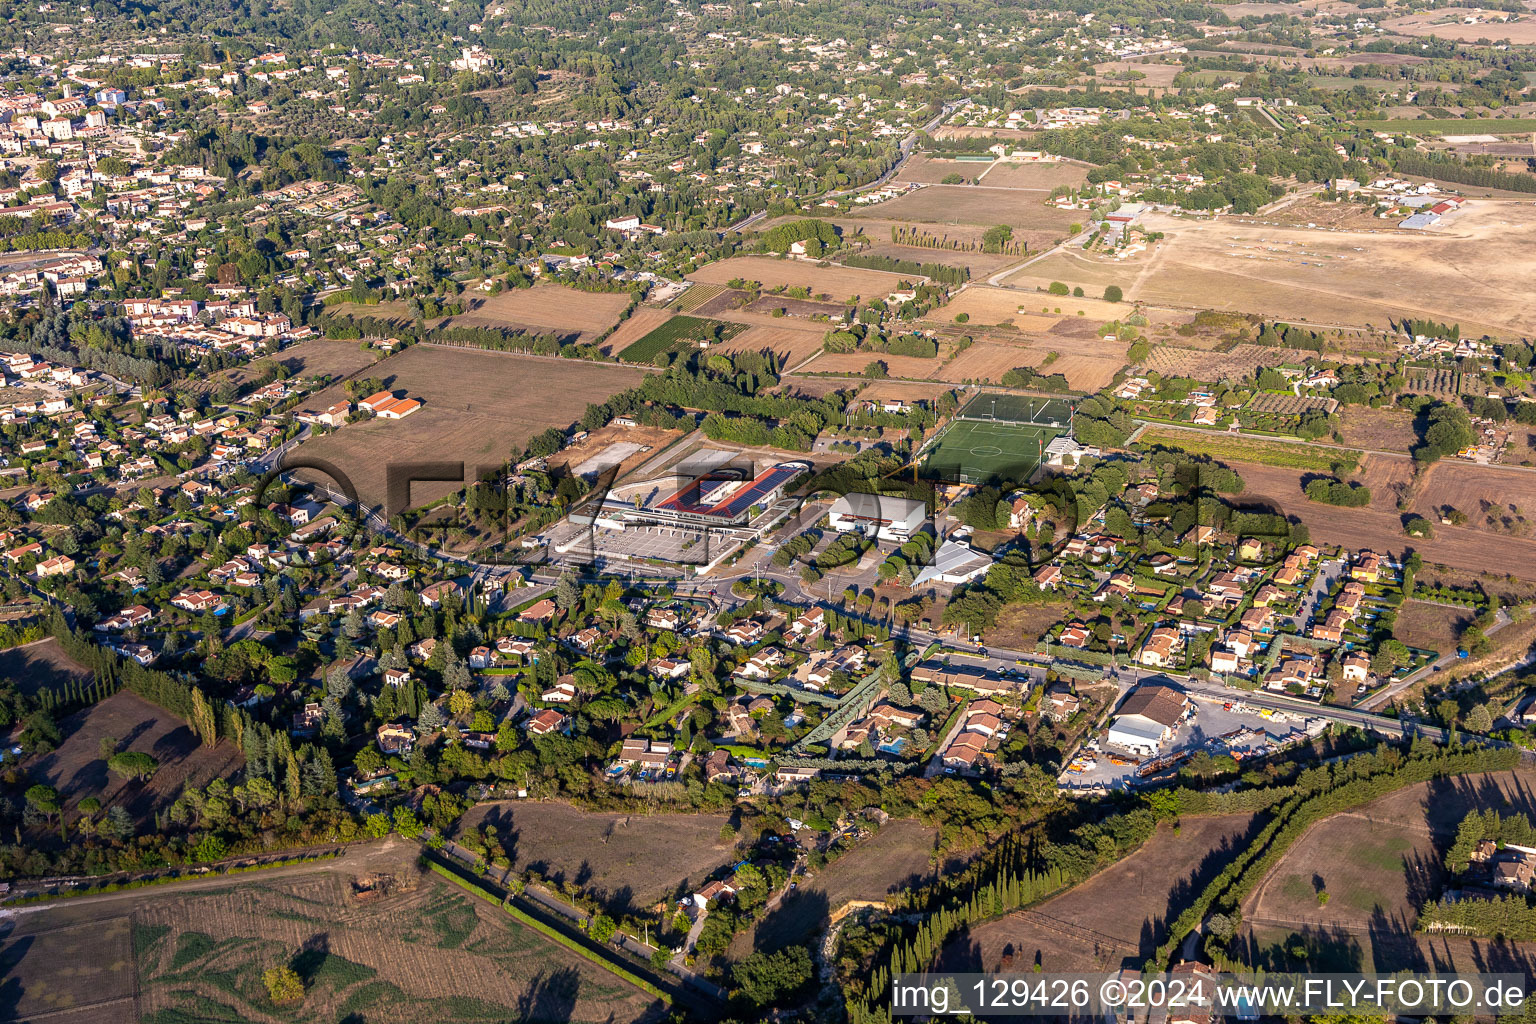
x,y
766,511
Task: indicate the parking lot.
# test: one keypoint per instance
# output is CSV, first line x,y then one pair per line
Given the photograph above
x,y
1217,727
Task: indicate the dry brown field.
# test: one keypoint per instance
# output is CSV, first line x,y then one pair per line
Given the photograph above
x,y
1378,527
903,391
898,856
1388,477
1468,270
1161,75
78,770
988,305
796,309
479,407
930,170
912,367
1431,626
793,343
1019,626
640,323
313,358
39,666
196,952
1043,176
1117,916
627,860
1379,864
988,361
1445,23
1389,429
841,283
544,307
1498,500
973,204
1238,362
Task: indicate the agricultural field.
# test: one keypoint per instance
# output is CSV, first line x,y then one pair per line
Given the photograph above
x,y
1379,526
1498,500
1239,448
1469,270
78,769
1288,405
610,855
696,296
465,413
911,367
1040,177
930,170
839,283
545,307
316,357
980,264
975,204
1445,23
1379,864
41,666
1442,383
1154,75
688,331
898,856
424,953
1237,363
1116,918
793,343
575,316
984,305
1386,428
640,323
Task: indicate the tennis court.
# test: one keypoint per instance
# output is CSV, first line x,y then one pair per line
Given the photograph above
x,y
975,451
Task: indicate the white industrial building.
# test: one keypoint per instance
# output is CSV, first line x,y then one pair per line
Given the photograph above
x,y
886,516
954,562
1147,719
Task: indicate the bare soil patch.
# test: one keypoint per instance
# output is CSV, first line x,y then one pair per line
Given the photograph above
x,y
1431,626
974,204
41,666
627,860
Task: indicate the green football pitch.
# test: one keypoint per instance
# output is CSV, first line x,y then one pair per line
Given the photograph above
x,y
1000,406
979,451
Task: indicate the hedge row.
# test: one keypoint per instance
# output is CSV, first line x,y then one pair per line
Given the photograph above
x,y
552,933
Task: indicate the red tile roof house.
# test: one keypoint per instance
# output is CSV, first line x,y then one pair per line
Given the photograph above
x,y
541,612
545,722
196,600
